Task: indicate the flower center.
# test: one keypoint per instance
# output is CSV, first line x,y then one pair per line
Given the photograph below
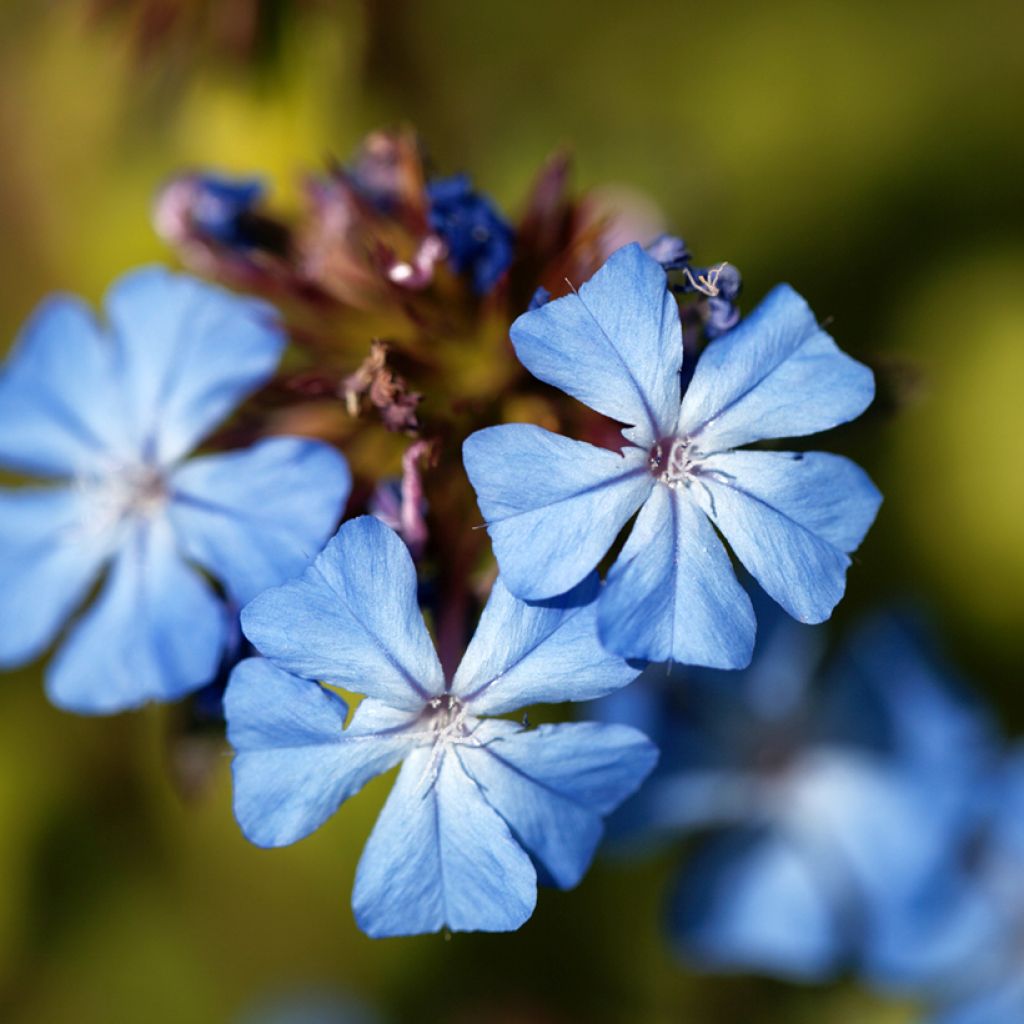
x,y
137,491
448,719
674,461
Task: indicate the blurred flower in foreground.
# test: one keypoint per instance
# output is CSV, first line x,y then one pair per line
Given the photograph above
x,y
481,807
554,506
112,413
823,798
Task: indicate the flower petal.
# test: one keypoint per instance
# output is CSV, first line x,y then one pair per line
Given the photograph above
x,y
440,856
258,517
872,818
59,413
672,594
48,562
352,620
752,901
997,1001
188,352
554,784
776,374
553,506
791,518
616,344
156,632
535,653
295,763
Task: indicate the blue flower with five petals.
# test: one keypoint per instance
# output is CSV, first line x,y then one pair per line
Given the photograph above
x,y
482,806
110,413
554,506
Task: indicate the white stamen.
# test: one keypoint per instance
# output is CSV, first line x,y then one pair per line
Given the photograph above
x,y
448,723
679,466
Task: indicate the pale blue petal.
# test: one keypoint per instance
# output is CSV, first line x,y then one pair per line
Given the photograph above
x,y
700,798
928,715
258,517
294,762
538,653
948,931
749,901
616,344
59,413
441,857
553,506
352,620
48,561
791,519
776,374
886,832
156,632
553,785
1000,1003
672,594
187,352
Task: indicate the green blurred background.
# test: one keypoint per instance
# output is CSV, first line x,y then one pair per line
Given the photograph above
x,y
870,153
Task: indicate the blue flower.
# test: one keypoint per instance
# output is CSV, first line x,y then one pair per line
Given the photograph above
x,y
479,241
824,797
109,414
554,506
956,941
482,806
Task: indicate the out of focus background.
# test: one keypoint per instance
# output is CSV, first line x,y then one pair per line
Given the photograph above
x,y
869,153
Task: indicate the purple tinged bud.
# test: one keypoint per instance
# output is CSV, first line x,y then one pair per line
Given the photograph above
x,y
722,316
417,273
671,252
209,208
540,298
400,504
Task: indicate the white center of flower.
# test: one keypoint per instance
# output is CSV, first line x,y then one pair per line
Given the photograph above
x,y
132,491
674,461
448,720
447,723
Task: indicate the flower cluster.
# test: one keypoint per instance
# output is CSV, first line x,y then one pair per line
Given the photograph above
x,y
391,300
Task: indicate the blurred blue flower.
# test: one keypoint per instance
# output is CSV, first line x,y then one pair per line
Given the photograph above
x,y
479,241
110,413
824,798
957,940
554,506
481,807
